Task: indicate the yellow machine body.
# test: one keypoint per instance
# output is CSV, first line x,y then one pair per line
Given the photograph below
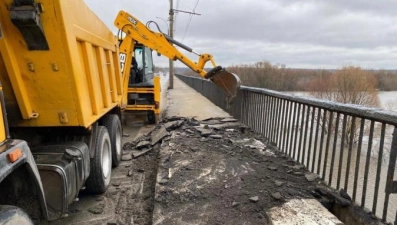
x,y
73,83
154,90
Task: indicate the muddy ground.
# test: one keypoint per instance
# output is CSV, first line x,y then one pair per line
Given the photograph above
x,y
215,171
219,172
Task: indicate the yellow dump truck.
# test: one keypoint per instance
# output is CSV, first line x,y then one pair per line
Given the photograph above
x,y
62,88
65,80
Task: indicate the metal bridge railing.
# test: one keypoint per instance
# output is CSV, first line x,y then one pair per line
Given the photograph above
x,y
348,146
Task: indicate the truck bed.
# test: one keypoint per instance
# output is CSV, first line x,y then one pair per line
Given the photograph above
x,y
74,82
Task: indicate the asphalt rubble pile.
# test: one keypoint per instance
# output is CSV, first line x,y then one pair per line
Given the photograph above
x,y
218,171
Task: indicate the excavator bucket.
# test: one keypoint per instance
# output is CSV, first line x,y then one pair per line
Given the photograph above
x,y
228,82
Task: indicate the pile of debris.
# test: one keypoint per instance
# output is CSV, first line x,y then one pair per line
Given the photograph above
x,y
218,171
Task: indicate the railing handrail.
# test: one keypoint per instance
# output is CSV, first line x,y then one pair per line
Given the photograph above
x,y
371,113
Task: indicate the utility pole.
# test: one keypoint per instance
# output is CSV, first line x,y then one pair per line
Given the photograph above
x,y
171,34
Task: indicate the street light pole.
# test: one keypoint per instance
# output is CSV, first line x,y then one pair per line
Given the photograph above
x,y
171,34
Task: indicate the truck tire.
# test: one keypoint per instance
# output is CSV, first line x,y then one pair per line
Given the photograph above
x,y
113,124
101,164
12,215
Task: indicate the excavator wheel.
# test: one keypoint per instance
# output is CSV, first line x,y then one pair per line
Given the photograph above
x,y
151,117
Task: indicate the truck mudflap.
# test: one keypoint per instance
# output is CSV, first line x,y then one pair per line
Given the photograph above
x,y
63,169
15,154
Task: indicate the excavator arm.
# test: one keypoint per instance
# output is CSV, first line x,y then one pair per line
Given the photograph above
x,y
163,44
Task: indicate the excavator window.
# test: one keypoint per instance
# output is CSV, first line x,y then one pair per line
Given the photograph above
x,y
142,73
138,56
148,61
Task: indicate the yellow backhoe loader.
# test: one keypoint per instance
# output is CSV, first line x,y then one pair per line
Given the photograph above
x,y
137,39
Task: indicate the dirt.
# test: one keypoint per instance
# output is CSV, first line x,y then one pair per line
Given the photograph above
x,y
223,173
215,171
136,206
141,203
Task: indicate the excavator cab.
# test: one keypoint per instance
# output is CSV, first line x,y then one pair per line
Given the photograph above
x,y
143,87
142,68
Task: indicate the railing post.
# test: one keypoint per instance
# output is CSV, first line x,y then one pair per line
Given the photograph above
x,y
391,186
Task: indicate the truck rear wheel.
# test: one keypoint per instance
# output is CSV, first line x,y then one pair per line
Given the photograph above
x,y
113,124
12,215
101,164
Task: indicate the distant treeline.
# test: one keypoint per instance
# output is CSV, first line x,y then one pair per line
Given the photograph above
x,y
280,78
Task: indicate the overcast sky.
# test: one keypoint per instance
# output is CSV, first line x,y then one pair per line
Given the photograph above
x,y
297,33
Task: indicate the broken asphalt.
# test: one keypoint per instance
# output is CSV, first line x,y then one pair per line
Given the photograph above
x,y
214,170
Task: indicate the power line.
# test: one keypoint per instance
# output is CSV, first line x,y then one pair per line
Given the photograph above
x,y
196,5
190,19
187,6
187,27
